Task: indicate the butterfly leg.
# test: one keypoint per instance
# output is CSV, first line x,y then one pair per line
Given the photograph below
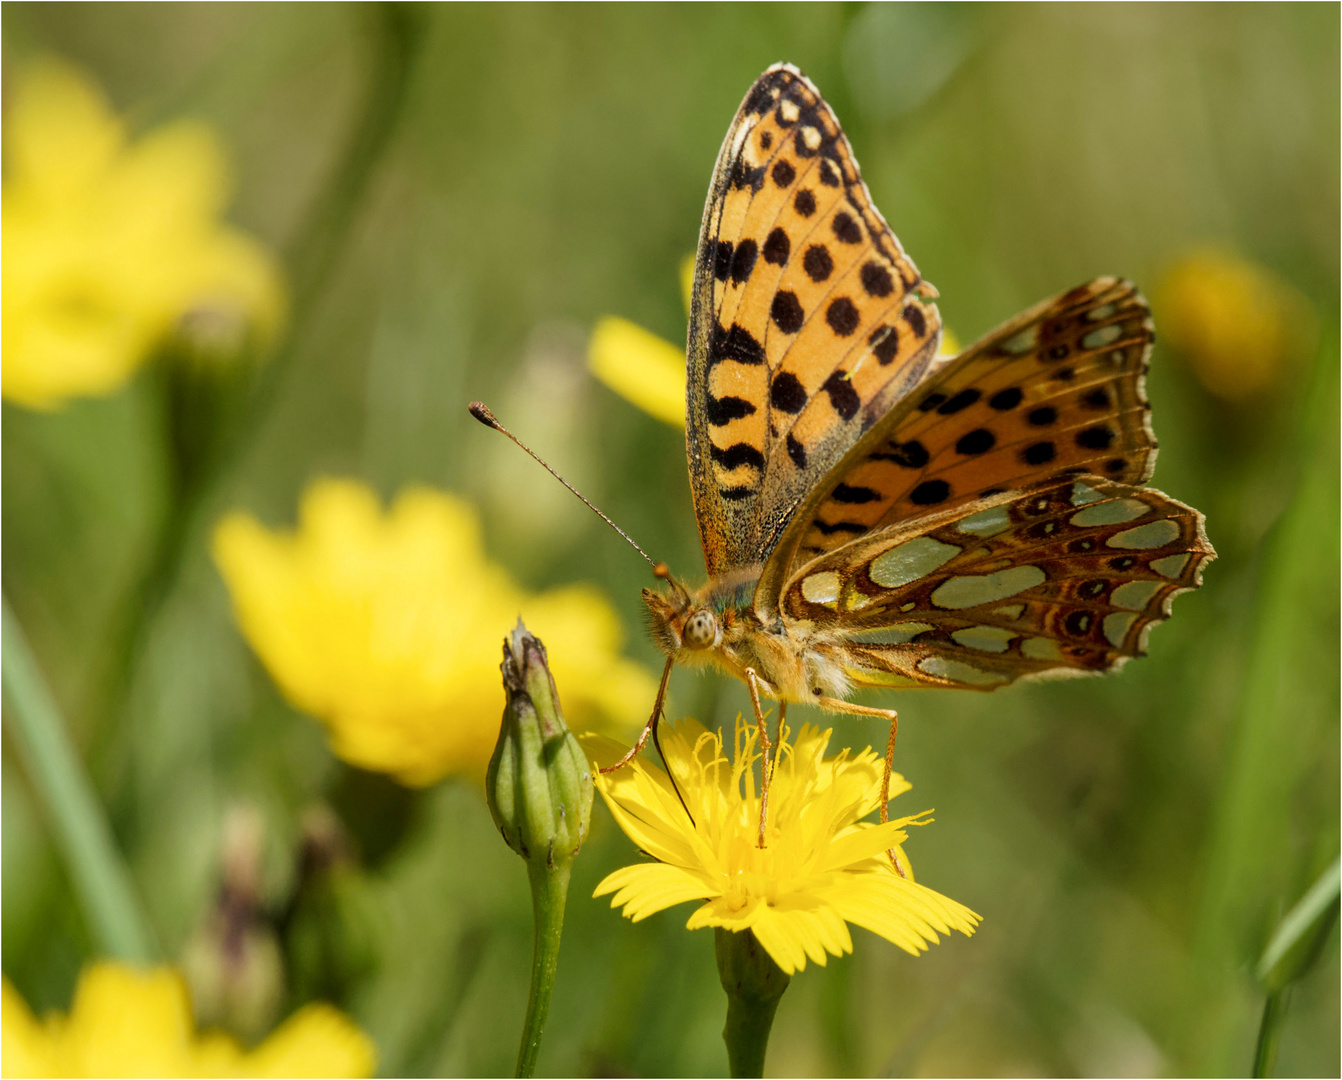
x,y
649,728
839,705
752,680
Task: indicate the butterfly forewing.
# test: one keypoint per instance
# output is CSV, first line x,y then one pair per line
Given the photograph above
x,y
1067,577
808,320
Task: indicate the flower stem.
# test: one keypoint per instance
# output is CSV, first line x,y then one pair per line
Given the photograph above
x,y
100,877
549,889
754,985
1269,1032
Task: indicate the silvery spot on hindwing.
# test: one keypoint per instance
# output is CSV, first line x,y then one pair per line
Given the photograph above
x,y
808,320
1059,390
1071,574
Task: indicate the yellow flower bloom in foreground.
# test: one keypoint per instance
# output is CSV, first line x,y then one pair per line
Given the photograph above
x,y
822,868
387,627
108,244
1239,325
649,371
128,1022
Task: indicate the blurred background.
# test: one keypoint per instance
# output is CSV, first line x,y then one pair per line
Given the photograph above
x,y
451,197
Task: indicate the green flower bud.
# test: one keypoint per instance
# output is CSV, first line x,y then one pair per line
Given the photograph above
x,y
539,783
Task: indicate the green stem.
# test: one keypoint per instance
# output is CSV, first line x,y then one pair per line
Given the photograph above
x,y
549,889
754,985
100,877
1269,1032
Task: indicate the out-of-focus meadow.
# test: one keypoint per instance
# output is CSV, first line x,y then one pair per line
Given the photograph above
x,y
431,204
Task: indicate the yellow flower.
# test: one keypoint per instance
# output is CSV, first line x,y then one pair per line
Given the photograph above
x,y
387,627
127,1022
108,244
1238,324
648,371
639,366
822,867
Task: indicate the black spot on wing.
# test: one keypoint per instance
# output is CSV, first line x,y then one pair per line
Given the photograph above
x,y
738,454
1039,453
909,455
842,316
1098,437
1077,623
913,315
930,492
846,229
743,261
796,451
845,493
735,344
742,175
787,393
854,527
804,202
722,260
884,341
817,262
876,280
1006,399
786,311
842,395
978,441
726,409
783,173
962,400
777,247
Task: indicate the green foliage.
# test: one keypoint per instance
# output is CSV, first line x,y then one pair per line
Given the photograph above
x,y
1132,842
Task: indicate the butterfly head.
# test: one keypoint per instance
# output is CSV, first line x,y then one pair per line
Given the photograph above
x,y
679,624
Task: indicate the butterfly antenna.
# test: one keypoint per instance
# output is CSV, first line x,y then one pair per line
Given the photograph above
x,y
481,412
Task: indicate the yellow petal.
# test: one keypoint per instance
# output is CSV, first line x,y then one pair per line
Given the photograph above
x,y
652,887
859,844
316,1041
640,367
379,625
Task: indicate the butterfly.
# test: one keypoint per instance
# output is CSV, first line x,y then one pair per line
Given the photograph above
x,y
873,514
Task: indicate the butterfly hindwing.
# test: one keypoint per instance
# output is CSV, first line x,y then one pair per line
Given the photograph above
x,y
1067,577
807,322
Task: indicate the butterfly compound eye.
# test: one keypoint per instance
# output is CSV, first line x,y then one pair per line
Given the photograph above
x,y
701,629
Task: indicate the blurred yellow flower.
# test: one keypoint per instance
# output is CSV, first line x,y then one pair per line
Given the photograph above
x,y
639,366
127,1022
1239,325
822,867
107,244
648,371
387,627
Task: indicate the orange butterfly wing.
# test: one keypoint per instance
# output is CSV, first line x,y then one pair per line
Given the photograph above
x,y
808,321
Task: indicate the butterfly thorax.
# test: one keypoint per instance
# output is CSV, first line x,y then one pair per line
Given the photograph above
x,y
718,625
